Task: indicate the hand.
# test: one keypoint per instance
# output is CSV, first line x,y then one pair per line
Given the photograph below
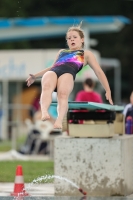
x,y
108,97
30,79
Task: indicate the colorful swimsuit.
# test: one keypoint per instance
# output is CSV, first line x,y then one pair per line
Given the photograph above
x,y
69,62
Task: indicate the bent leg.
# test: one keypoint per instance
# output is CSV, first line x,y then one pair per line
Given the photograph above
x,y
64,87
49,82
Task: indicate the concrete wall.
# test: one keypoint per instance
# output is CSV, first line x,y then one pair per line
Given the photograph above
x,y
101,167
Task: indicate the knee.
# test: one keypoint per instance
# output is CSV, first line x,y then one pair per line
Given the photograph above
x,y
62,94
46,86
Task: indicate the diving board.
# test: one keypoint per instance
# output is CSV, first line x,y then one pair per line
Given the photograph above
x,y
91,106
13,29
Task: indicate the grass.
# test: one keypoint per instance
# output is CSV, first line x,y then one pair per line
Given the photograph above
x,y
31,170
6,145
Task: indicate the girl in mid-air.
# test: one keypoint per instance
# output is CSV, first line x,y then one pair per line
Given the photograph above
x,y
61,75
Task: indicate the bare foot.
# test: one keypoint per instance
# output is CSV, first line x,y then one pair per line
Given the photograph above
x,y
58,124
45,116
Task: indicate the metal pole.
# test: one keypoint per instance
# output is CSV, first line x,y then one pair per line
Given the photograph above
x,y
0,110
16,130
5,109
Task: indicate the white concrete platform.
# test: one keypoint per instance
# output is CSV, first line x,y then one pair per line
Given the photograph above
x,y
100,166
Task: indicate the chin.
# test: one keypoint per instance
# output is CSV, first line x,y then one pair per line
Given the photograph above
x,y
73,48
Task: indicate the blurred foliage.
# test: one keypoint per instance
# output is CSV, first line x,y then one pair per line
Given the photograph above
x,y
113,45
33,8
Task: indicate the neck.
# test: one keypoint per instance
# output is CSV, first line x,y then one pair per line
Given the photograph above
x,y
88,89
76,49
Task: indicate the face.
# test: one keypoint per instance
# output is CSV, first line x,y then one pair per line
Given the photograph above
x,y
74,40
131,98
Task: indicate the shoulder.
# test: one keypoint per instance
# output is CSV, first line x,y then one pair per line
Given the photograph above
x,y
128,105
126,108
80,92
99,96
60,51
96,93
88,53
58,54
79,95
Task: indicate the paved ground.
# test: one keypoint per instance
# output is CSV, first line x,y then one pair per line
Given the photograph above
x,y
35,190
14,155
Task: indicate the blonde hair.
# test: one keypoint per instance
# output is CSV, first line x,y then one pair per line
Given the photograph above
x,y
77,29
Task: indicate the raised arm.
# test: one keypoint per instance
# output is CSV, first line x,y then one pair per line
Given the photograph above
x,y
32,77
91,61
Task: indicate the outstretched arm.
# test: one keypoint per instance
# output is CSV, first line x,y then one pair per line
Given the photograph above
x,y
91,61
32,77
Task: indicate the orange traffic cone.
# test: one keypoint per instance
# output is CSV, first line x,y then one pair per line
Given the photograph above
x,y
19,183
